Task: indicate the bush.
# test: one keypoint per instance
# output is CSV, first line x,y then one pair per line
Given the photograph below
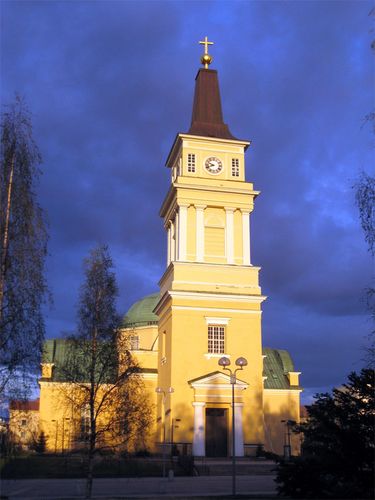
x,y
337,458
40,445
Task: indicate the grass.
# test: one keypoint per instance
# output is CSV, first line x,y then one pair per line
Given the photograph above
x,y
51,466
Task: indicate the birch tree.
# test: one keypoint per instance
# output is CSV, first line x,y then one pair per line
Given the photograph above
x,y
23,247
102,381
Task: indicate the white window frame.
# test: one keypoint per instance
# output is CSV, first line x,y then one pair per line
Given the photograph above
x,y
85,422
134,342
216,334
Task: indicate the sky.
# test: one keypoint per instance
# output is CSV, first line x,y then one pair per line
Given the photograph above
x,y
110,84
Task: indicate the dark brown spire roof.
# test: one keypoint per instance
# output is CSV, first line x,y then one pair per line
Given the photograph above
x,y
207,118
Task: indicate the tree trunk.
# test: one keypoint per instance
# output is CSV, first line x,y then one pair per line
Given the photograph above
x,y
89,478
5,242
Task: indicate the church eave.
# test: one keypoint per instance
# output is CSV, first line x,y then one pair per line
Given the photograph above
x,y
238,142
167,202
173,151
181,136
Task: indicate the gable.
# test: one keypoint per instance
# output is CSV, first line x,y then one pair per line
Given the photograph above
x,y
215,379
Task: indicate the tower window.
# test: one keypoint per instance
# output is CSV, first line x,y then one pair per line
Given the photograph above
x,y
216,338
191,162
235,167
134,342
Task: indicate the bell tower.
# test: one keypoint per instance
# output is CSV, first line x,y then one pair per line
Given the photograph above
x,y
210,298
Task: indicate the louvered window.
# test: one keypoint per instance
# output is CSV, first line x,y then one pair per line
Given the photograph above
x,y
235,167
191,162
214,241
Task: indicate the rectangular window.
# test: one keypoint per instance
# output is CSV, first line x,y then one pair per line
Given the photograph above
x,y
191,162
235,167
23,421
216,339
85,422
134,342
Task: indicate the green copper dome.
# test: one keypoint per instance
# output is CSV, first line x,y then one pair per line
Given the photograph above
x,y
141,312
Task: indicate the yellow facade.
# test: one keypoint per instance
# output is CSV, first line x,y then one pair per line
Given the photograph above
x,y
24,422
209,306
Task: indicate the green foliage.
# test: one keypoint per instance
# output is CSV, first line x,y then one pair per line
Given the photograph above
x,y
104,390
23,240
40,445
337,458
365,199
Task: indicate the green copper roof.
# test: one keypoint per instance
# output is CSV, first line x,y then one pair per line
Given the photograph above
x,y
55,351
277,364
140,313
58,352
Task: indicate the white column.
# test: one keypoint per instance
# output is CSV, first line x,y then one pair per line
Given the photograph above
x,y
169,236
176,236
172,241
182,231
239,448
198,439
229,235
246,237
199,211
249,232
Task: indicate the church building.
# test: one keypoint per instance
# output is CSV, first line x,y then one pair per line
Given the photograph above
x,y
199,339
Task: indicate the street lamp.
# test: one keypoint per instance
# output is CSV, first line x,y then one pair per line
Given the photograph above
x,y
224,363
174,426
160,390
56,422
287,440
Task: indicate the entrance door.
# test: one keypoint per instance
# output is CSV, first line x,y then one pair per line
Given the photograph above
x,y
216,432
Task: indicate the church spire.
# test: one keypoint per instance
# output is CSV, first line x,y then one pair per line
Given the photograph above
x,y
207,117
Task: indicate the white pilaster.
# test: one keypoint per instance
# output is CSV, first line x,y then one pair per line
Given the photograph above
x,y
182,231
229,235
176,236
246,237
198,439
238,445
173,241
169,237
199,211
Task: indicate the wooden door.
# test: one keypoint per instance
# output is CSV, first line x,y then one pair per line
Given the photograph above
x,y
216,432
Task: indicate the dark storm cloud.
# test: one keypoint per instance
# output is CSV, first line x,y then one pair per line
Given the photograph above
x,y
111,83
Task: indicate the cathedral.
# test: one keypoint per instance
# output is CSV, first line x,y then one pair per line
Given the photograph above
x,y
215,387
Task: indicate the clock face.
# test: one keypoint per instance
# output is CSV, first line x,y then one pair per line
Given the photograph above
x,y
213,165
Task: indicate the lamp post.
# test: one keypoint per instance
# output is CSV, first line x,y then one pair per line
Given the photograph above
x,y
224,363
174,426
56,422
287,441
160,390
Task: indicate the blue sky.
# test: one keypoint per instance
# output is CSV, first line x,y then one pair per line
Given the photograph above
x,y
110,84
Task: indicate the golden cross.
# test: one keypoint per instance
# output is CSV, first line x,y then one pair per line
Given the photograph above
x,y
206,59
206,43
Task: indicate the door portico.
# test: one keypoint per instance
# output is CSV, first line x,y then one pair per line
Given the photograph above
x,y
212,415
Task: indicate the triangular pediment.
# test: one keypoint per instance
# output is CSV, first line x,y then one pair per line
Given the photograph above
x,y
216,379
